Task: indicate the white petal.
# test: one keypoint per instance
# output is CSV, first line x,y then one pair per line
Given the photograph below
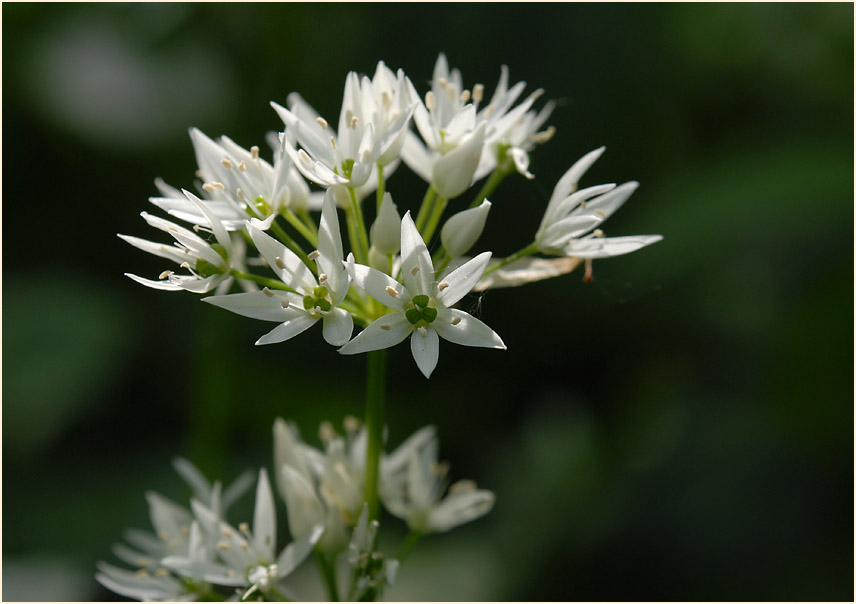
x,y
521,161
527,270
596,247
338,326
417,269
425,346
458,508
607,204
169,252
463,229
375,283
264,517
417,157
570,179
330,249
216,226
556,236
296,552
384,332
288,330
193,477
463,279
295,273
164,285
207,571
454,171
304,508
258,305
469,331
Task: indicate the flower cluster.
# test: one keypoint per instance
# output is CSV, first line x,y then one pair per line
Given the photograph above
x,y
253,223
196,554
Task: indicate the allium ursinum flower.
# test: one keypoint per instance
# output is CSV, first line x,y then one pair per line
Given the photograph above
x,y
455,131
177,534
237,184
245,558
463,229
372,123
421,306
571,216
312,299
209,263
413,484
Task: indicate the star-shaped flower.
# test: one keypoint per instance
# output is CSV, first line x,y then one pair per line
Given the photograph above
x,y
311,299
421,306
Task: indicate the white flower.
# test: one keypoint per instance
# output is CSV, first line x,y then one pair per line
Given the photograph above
x,y
450,118
386,231
245,558
209,264
571,215
373,572
421,306
237,184
413,483
463,229
372,122
315,298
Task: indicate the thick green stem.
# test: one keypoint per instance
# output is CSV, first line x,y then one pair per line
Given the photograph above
x,y
375,401
380,186
300,226
291,244
271,283
327,567
360,247
505,167
407,546
425,208
530,249
434,219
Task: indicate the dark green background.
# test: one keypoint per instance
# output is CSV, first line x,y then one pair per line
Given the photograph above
x,y
681,429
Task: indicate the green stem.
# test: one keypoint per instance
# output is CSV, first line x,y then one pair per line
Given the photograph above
x,y
327,568
299,225
375,395
504,168
404,550
530,249
306,217
270,283
425,208
381,186
361,245
434,219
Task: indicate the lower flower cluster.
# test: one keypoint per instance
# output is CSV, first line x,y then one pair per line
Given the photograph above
x,y
196,554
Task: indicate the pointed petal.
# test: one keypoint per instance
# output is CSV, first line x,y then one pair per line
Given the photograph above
x,y
378,285
463,279
425,347
290,267
454,171
417,269
258,305
288,330
338,326
264,517
469,331
193,477
330,249
296,552
607,247
164,285
527,270
458,508
384,332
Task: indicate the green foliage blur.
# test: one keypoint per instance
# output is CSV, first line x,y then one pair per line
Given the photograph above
x,y
679,429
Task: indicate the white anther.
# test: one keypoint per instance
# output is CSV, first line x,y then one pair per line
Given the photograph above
x,y
542,137
254,152
385,326
490,109
209,187
456,320
164,274
314,254
600,213
422,332
443,82
266,291
304,157
279,263
244,528
414,270
228,533
242,167
326,432
285,304
142,573
322,277
597,233
429,100
218,185
184,265
229,165
351,423
321,122
354,122
478,93
391,291
443,285
465,96
462,486
224,545
240,193
199,174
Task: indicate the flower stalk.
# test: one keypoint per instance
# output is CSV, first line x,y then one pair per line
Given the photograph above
x,y
375,403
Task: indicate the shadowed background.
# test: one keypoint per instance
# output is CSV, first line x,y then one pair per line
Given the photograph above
x,y
680,429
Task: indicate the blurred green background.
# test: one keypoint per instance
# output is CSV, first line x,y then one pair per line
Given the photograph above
x,y
680,429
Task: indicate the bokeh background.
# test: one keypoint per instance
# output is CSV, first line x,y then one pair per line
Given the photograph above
x,y
680,429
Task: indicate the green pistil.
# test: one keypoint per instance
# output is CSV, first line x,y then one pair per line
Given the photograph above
x,y
421,314
347,168
205,269
262,206
318,300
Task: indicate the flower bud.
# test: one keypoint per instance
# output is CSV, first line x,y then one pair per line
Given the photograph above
x,y
454,171
386,230
463,229
305,510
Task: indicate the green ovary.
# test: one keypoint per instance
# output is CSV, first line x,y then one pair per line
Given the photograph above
x,y
421,314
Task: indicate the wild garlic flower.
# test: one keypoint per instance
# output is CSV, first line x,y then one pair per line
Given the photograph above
x,y
311,299
455,131
374,117
568,227
413,484
421,306
372,570
209,264
237,184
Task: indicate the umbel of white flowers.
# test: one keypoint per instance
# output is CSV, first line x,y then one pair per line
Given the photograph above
x,y
194,552
254,225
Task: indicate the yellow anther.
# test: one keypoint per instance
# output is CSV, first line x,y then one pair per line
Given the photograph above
x,y
326,432
229,165
443,82
242,167
321,122
144,561
391,291
185,265
465,96
218,185
244,528
600,213
351,423
161,572
279,263
209,187
240,192
354,122
462,486
385,326
313,254
542,137
322,277
597,233
422,332
429,100
478,92
414,270
254,152
443,285
224,545
266,291
164,274
304,157
142,573
199,174
440,469
456,320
